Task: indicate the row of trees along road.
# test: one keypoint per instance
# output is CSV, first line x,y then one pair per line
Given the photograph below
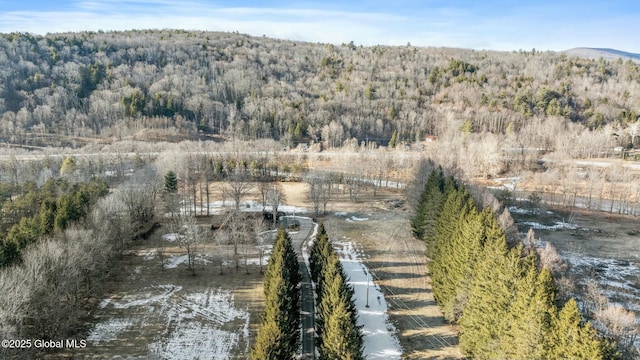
x,y
502,298
279,334
337,331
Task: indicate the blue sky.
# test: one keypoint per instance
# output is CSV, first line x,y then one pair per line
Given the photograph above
x,y
494,25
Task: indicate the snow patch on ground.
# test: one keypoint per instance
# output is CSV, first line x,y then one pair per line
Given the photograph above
x,y
609,268
109,330
200,325
618,279
251,206
355,218
519,210
172,237
193,341
143,298
195,323
556,226
379,335
172,262
219,207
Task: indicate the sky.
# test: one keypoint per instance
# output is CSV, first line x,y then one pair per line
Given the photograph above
x,y
503,25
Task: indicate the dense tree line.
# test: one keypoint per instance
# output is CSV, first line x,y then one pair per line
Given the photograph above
x,y
338,335
30,213
121,84
502,297
279,333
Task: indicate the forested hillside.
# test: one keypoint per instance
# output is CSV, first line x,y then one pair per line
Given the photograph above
x,y
61,89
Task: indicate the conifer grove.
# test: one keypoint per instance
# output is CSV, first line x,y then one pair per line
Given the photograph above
x,y
502,299
338,335
279,335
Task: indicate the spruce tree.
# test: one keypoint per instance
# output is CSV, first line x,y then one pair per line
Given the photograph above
x,y
429,206
341,336
442,249
483,322
171,182
529,317
456,264
272,340
319,253
394,139
570,338
337,314
279,332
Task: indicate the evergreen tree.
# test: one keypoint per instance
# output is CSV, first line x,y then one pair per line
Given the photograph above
x,y
456,264
9,253
278,337
341,336
394,139
338,336
337,314
171,182
502,300
529,318
47,216
484,319
272,340
319,253
570,339
429,206
69,166
443,248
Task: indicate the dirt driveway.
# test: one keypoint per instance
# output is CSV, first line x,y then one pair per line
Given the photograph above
x,y
379,226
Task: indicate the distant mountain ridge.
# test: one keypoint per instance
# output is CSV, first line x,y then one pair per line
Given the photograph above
x,y
608,54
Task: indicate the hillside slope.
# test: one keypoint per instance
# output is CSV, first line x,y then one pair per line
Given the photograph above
x,y
65,89
607,54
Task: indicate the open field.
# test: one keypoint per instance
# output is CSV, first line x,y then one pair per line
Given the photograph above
x,y
150,312
168,313
595,246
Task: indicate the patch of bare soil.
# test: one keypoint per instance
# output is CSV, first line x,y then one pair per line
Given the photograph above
x,y
380,227
295,194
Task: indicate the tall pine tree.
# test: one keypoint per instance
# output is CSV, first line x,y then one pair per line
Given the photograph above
x,y
338,335
570,338
279,335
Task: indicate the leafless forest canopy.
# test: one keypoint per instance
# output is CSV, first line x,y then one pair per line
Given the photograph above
x,y
177,83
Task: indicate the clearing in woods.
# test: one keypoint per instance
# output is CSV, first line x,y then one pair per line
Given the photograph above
x,y
151,312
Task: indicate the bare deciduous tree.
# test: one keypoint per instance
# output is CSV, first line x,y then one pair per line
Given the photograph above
x,y
319,191
238,186
619,324
191,240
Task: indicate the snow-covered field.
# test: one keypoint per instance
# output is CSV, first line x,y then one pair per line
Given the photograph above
x,y
197,325
379,335
556,225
